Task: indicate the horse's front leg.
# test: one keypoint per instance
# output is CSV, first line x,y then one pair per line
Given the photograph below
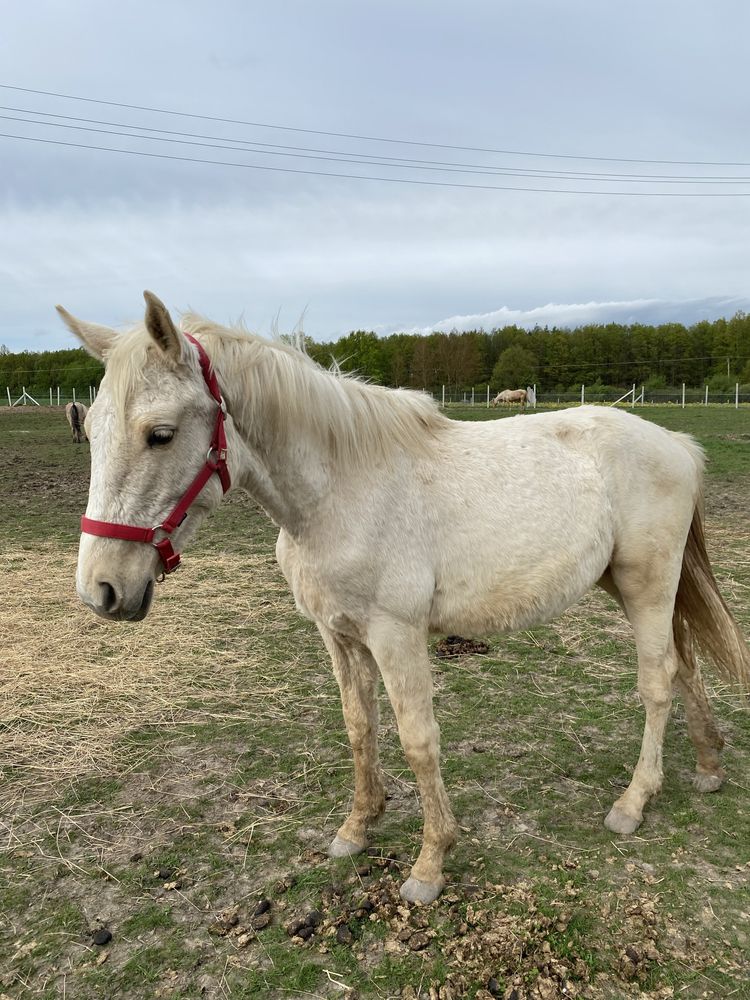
x,y
401,655
357,676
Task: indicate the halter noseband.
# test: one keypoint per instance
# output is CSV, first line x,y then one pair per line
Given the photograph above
x,y
216,462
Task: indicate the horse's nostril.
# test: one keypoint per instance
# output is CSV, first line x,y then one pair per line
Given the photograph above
x,y
109,597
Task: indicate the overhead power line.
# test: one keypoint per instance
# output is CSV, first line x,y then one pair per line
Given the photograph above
x,y
346,156
372,138
370,177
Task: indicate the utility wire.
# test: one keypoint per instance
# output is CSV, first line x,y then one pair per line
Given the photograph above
x,y
377,159
370,177
378,162
371,138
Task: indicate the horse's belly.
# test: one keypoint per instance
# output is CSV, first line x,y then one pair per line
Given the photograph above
x,y
488,595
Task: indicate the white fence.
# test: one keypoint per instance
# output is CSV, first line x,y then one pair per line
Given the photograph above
x,y
476,396
634,396
56,398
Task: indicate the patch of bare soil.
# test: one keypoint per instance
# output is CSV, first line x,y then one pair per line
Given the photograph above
x,y
495,940
228,896
726,500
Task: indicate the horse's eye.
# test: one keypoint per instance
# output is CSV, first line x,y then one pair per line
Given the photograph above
x,y
160,435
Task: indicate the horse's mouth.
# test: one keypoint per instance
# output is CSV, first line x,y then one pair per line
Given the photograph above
x,y
148,595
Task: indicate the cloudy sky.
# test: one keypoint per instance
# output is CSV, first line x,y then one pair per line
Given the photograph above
x,y
479,119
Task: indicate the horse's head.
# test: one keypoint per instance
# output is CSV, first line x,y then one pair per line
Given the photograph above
x,y
151,428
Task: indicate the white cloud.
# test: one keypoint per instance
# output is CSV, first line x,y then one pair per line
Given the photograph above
x,y
569,315
93,229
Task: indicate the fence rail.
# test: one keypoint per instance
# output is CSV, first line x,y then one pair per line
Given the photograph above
x,y
633,396
54,396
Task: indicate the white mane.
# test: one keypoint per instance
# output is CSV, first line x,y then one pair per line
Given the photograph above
x,y
273,390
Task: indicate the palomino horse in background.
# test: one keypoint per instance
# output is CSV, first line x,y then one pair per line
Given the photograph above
x,y
76,414
374,547
510,396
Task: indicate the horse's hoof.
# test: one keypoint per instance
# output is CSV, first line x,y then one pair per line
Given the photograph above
x,y
703,781
415,891
618,821
342,848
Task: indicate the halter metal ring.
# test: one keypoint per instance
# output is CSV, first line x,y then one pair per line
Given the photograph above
x,y
163,575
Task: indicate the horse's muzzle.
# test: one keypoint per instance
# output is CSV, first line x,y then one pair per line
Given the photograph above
x,y
108,601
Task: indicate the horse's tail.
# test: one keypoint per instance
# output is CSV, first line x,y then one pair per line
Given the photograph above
x,y
75,422
701,616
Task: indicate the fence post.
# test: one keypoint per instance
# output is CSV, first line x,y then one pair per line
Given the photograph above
x,y
583,394
535,395
7,389
488,395
58,395
472,395
683,395
736,395
643,394
633,406
443,397
74,395
50,395
706,403
91,396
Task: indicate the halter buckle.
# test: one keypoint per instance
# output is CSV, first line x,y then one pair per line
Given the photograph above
x,y
169,558
220,453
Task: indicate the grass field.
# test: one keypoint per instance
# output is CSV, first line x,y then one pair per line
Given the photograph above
x,y
174,783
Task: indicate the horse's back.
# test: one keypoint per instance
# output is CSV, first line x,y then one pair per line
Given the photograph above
x,y
649,478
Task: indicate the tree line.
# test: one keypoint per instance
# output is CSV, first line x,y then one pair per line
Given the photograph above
x,y
714,353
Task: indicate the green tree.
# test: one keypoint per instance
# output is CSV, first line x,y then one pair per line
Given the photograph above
x,y
361,352
516,368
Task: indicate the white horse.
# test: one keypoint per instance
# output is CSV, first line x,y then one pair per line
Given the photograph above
x,y
511,396
374,547
76,415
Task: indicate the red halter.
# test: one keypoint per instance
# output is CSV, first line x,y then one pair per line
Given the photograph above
x,y
216,461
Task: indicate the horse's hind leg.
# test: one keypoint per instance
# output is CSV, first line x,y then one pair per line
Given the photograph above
x,y
701,721
401,654
357,676
647,595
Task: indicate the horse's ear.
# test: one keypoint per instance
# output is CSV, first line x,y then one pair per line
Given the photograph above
x,y
159,324
98,340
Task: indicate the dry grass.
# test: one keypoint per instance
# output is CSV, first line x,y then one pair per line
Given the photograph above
x,y
72,686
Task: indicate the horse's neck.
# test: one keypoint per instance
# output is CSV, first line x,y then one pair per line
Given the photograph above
x,y
286,470
288,483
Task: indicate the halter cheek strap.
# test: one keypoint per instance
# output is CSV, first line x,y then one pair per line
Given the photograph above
x,y
216,462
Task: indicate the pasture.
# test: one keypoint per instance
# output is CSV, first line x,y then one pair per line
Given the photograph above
x,y
174,783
